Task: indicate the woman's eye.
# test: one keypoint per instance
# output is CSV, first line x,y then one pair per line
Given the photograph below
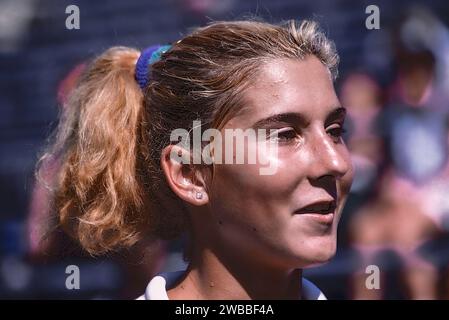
x,y
337,132
283,135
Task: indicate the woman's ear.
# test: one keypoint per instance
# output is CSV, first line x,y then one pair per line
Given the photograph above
x,y
186,183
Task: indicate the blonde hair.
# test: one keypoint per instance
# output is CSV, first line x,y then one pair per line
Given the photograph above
x,y
110,190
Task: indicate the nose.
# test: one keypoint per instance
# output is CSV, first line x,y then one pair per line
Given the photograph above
x,y
328,158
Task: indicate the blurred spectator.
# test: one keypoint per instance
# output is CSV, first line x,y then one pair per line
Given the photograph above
x,y
362,97
397,224
394,220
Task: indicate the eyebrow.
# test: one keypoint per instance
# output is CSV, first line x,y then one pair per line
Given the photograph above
x,y
297,118
337,113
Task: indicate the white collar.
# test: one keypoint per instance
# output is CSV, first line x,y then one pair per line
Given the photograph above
x,y
156,288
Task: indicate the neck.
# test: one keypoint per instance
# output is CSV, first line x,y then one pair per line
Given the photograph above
x,y
217,277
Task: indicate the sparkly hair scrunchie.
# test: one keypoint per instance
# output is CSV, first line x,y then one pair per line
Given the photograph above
x,y
147,57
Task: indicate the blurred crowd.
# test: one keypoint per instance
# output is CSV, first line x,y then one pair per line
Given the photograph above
x,y
399,141
396,218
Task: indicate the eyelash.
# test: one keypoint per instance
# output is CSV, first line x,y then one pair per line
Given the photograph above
x,y
285,136
339,133
288,134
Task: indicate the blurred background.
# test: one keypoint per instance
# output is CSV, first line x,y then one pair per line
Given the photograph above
x,y
394,81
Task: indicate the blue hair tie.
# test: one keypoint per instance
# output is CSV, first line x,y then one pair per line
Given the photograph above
x,y
147,57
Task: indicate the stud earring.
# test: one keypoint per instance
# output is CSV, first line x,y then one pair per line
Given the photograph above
x,y
199,195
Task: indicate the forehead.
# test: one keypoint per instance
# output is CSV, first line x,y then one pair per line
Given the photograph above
x,y
287,85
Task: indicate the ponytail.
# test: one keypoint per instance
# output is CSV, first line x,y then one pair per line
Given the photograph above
x,y
98,196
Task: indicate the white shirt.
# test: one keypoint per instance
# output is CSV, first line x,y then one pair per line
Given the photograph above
x,y
156,288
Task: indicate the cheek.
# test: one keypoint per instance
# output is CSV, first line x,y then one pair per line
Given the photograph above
x,y
242,182
243,200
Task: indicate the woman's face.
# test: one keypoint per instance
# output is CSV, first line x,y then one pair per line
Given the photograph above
x,y
270,217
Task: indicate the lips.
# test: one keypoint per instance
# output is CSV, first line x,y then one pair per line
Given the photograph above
x,y
321,211
318,207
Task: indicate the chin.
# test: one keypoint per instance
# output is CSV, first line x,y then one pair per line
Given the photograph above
x,y
318,252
